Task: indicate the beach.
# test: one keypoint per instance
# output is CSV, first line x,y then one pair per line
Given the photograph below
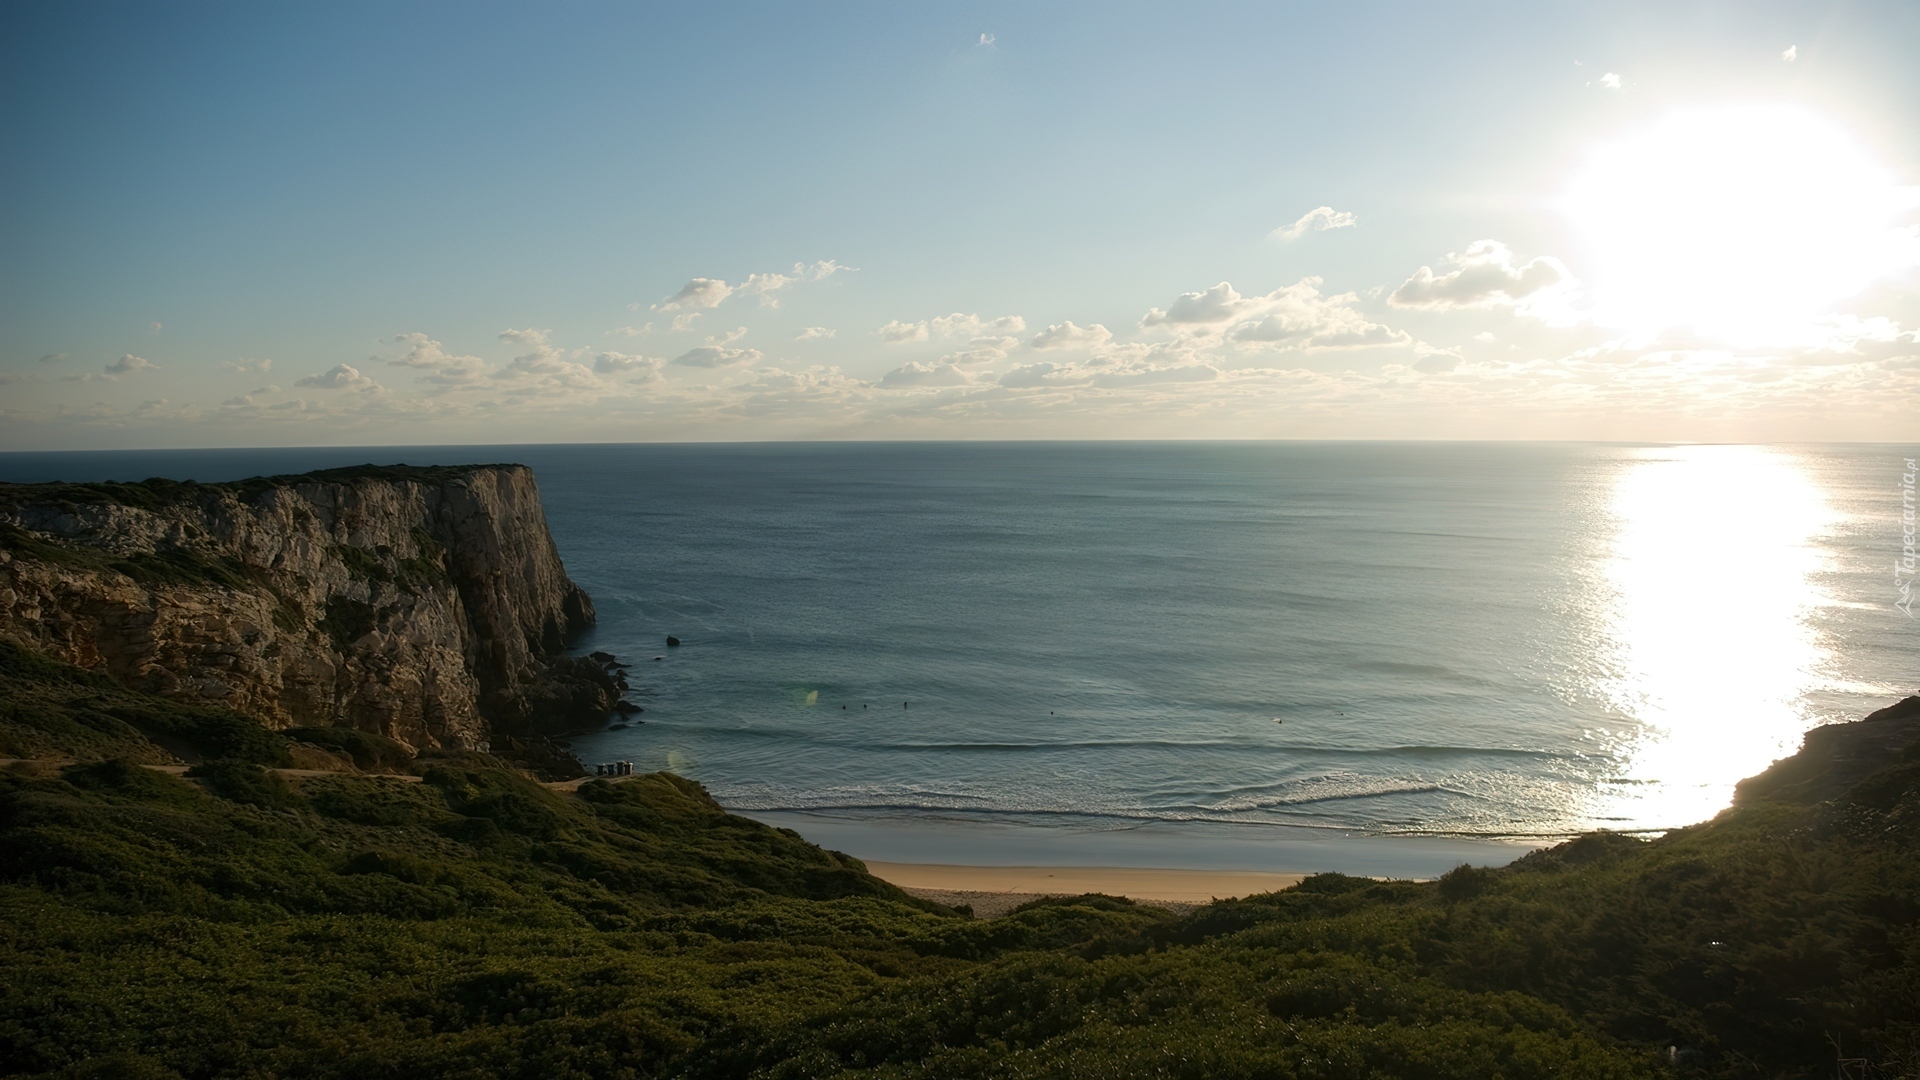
x,y
995,890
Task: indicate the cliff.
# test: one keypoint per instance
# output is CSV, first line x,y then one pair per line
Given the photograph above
x,y
427,605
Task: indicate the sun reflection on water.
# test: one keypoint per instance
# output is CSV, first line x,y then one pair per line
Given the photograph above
x,y
1711,571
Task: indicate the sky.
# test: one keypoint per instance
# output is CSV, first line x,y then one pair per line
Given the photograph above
x,y
414,223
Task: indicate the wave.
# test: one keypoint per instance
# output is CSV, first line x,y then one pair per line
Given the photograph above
x,y
1300,749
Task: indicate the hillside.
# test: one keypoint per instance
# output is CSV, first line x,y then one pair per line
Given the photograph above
x,y
478,924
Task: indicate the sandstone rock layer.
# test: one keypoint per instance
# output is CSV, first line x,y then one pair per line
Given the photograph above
x,y
428,605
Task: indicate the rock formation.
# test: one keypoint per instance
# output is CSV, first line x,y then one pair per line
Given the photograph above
x,y
427,605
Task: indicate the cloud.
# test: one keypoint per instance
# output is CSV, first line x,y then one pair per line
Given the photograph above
x,y
613,363
543,371
899,333
985,40
8,378
1434,361
698,294
53,358
246,365
339,377
128,364
1318,219
1068,336
815,333
960,325
716,356
1792,54
442,367
1610,81
155,328
630,331
1296,316
1216,305
924,373
1483,276
1029,375
764,285
705,294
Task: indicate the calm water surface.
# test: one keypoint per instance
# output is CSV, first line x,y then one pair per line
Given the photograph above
x,y
1479,640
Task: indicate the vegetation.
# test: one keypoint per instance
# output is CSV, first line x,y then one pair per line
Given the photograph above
x,y
159,493
54,710
473,923
173,566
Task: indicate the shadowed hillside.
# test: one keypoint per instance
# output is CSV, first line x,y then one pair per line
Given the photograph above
x,y
243,921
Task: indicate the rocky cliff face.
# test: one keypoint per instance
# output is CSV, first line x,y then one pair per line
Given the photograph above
x,y
428,605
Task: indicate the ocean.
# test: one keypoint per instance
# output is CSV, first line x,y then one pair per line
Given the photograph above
x,y
1482,642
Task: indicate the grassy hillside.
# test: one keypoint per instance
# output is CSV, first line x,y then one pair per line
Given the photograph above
x,y
477,924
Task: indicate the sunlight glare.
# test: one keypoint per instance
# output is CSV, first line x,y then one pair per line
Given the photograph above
x,y
1742,223
1712,570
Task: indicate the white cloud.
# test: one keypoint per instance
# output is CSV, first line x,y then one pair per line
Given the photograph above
x,y
705,294
128,364
962,325
1296,316
716,356
247,365
1792,54
1433,361
815,333
763,286
1610,81
629,331
442,367
924,373
1318,219
985,40
1066,335
1483,276
613,363
526,337
698,294
958,324
155,328
899,333
1216,305
339,377
1028,375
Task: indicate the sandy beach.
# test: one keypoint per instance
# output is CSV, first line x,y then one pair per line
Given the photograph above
x,y
994,890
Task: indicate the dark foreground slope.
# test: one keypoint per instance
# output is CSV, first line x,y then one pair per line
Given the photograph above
x,y
479,924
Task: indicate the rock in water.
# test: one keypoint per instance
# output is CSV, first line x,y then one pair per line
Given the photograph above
x,y
426,604
671,642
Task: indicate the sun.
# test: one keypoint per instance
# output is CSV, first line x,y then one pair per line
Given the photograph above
x,y
1743,223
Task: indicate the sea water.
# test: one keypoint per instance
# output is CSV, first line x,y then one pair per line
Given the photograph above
x,y
1515,641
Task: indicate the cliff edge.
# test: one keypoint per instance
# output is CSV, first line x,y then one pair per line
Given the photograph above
x,y
427,605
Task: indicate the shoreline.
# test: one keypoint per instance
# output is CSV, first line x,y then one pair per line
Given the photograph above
x,y
1248,853
992,891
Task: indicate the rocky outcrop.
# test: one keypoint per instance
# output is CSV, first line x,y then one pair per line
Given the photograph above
x,y
428,605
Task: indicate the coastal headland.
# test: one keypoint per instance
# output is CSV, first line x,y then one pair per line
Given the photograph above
x,y
243,832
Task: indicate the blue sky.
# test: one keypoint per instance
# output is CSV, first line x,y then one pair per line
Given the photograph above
x,y
296,224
